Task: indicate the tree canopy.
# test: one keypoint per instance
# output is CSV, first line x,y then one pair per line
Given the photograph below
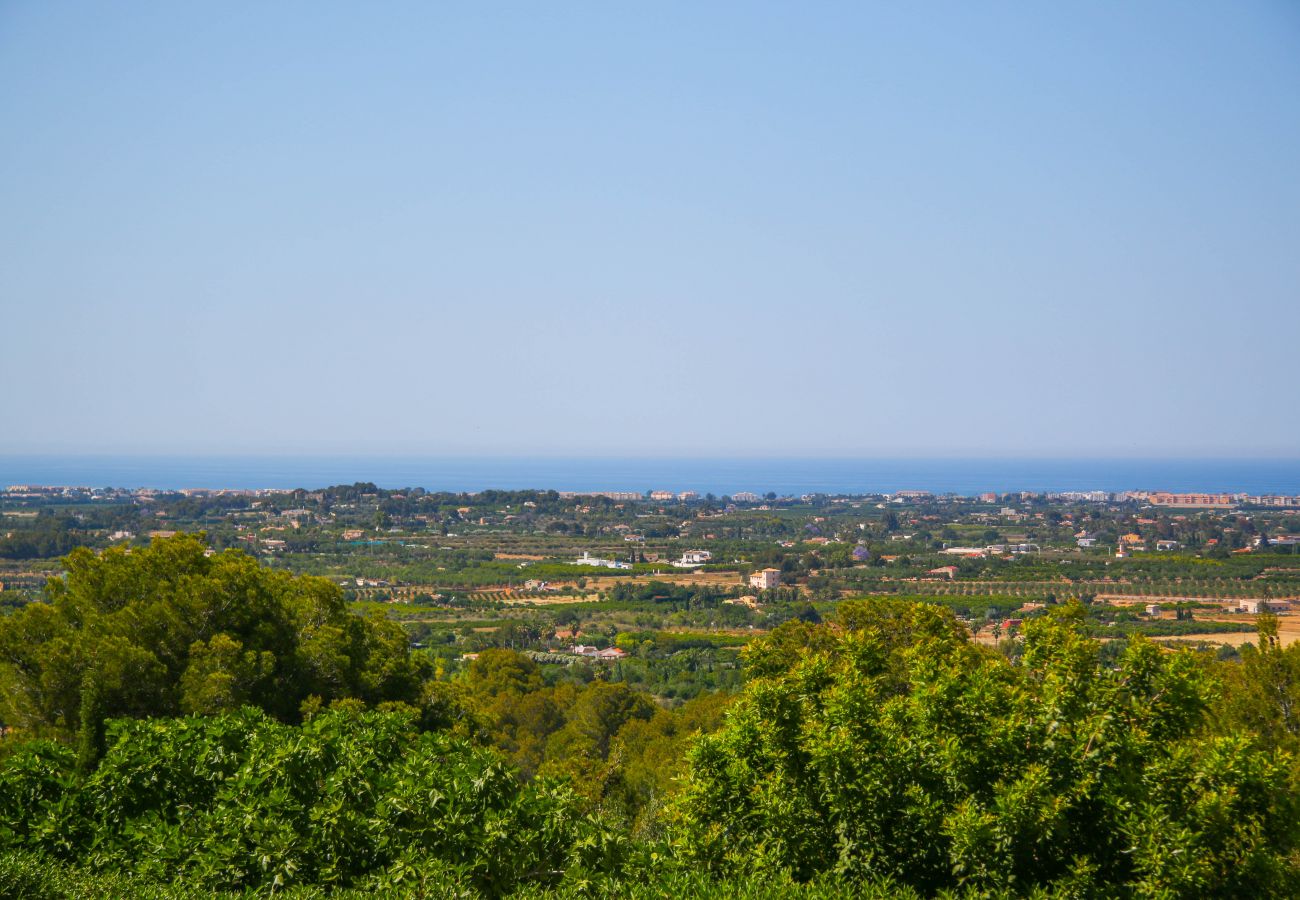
x,y
893,748
171,628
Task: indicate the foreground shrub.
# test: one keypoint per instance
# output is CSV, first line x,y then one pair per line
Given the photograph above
x,y
241,801
892,748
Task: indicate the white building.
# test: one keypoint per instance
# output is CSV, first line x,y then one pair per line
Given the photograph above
x,y
609,653
693,558
1254,607
765,579
588,560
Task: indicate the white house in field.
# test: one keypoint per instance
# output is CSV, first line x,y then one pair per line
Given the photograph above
x,y
692,558
588,560
1255,607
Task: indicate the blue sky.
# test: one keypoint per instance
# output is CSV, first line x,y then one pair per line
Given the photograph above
x,y
676,228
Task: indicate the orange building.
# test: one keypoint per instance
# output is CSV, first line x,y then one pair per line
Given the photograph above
x,y
1164,498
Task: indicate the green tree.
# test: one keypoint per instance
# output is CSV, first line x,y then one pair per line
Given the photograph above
x,y
168,628
892,748
500,671
1264,689
221,675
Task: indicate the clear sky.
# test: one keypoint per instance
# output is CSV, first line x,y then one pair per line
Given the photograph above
x,y
681,228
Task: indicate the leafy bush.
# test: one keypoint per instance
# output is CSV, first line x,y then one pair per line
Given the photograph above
x,y
892,748
168,629
240,801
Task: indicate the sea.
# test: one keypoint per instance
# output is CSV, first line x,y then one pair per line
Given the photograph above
x,y
716,475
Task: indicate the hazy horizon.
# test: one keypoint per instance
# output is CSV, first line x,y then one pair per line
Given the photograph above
x,y
786,476
738,231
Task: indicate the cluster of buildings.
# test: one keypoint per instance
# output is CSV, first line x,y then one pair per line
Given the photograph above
x,y
1134,543
978,552
1219,501
1082,496
622,496
34,491
669,496
609,654
1155,498
656,496
1256,606
1192,501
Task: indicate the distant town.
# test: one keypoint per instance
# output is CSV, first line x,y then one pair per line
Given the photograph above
x,y
1182,566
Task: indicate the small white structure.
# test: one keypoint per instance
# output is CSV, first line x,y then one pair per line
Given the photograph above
x,y
588,560
765,579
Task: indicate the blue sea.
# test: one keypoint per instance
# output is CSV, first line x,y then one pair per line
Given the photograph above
x,y
788,476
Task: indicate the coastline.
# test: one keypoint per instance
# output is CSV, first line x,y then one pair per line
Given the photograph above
x,y
784,476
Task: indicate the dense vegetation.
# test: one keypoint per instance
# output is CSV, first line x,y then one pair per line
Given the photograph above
x,y
182,723
169,629
893,748
348,798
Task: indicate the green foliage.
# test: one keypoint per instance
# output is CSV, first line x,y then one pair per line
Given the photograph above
x,y
167,629
892,748
239,801
884,754
29,876
1264,695
592,720
497,672
50,536
619,750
